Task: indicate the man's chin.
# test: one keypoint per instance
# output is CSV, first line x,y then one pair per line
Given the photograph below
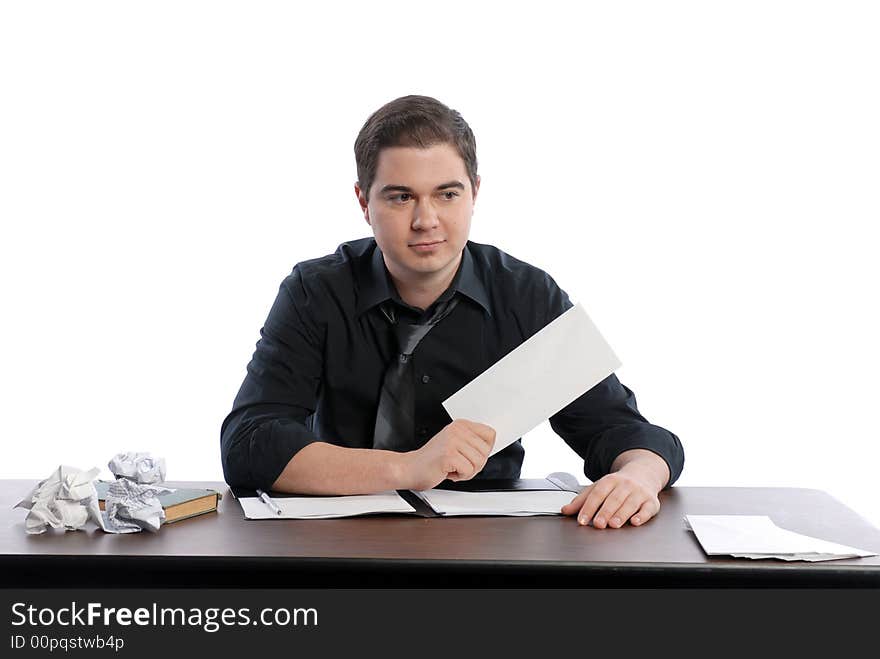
x,y
431,263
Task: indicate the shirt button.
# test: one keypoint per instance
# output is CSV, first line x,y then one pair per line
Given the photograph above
x,y
426,379
423,432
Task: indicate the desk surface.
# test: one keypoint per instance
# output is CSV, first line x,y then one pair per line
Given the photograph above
x,y
225,549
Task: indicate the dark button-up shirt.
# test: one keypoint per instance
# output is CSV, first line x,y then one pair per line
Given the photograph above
x,y
317,371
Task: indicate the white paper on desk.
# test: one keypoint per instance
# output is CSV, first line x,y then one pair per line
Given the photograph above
x,y
756,536
514,503
326,507
545,373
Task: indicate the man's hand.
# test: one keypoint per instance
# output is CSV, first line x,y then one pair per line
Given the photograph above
x,y
628,493
458,452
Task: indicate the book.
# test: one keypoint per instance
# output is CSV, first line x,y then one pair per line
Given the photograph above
x,y
182,503
476,497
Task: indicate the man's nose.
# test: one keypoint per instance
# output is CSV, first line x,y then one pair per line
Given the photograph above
x,y
425,216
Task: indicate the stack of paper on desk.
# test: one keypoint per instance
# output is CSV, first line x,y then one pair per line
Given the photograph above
x,y
435,502
447,502
756,536
326,507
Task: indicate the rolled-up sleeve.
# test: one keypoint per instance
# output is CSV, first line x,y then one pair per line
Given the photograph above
x,y
605,421
267,424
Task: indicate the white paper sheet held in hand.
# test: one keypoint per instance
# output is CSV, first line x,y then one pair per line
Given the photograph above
x,y
530,384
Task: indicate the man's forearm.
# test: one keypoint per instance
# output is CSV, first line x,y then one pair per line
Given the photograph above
x,y
645,461
322,468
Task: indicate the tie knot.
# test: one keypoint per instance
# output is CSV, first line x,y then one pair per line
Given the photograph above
x,y
409,336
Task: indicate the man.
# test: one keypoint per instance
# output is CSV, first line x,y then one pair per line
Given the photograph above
x,y
343,394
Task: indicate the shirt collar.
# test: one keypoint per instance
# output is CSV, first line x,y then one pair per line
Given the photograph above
x,y
375,284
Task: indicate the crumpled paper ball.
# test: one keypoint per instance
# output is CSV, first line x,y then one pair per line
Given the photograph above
x,y
138,467
67,498
130,507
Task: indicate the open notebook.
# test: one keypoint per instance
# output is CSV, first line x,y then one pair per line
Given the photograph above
x,y
477,497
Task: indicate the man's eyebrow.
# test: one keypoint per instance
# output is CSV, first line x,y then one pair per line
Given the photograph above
x,y
394,188
404,188
451,184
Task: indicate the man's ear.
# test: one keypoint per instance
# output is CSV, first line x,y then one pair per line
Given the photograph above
x,y
476,187
362,200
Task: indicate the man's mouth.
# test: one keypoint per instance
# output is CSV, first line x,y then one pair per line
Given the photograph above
x,y
427,247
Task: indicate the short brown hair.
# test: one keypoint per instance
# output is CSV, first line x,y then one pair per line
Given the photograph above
x,y
419,121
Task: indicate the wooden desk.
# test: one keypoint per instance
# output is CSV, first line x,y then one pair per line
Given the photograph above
x,y
225,550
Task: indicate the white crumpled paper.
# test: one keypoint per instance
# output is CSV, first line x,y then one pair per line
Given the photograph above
x,y
67,498
130,507
139,467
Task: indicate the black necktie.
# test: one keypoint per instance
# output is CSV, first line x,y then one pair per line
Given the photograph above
x,y
395,418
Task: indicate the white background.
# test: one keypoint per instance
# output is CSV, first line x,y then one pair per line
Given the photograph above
x,y
702,176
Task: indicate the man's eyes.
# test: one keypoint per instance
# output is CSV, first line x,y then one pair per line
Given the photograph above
x,y
403,197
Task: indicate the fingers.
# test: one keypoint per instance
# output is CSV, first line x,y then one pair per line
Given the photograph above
x,y
458,468
598,493
611,502
476,459
646,512
610,506
467,460
479,444
630,505
487,434
575,504
484,433
473,441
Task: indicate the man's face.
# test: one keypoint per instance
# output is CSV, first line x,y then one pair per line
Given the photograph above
x,y
420,209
